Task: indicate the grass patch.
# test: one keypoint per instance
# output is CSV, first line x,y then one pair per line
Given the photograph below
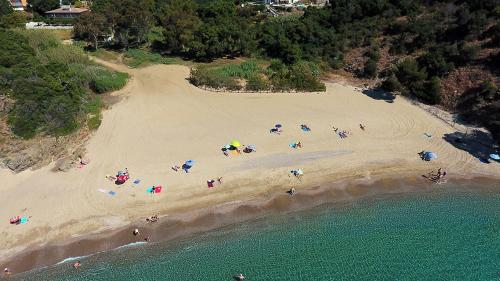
x,y
107,81
94,122
137,58
105,55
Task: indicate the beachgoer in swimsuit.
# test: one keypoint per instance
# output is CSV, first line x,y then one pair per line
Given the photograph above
x,y
77,264
299,144
6,271
147,239
219,179
136,232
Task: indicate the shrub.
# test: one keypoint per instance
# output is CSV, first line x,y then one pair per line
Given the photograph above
x,y
370,69
391,84
257,83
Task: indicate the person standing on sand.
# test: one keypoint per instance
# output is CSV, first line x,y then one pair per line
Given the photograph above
x,y
7,271
219,179
136,232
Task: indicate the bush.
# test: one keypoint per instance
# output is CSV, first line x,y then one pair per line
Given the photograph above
x,y
257,83
370,69
391,84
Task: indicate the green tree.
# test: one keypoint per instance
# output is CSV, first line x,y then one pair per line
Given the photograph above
x,y
180,22
5,8
42,6
89,27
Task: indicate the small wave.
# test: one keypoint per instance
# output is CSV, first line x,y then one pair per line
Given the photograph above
x,y
134,244
72,259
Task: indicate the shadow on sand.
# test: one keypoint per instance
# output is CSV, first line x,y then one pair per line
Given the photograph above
x,y
478,143
380,94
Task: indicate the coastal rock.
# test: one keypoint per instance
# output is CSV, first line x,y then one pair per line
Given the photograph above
x,y
20,163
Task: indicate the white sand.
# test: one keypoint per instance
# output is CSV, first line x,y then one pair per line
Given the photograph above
x,y
163,120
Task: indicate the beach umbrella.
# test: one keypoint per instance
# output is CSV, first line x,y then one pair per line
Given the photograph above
x,y
189,163
252,147
235,143
278,126
495,156
227,146
430,155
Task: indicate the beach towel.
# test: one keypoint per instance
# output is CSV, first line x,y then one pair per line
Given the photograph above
x,y
112,193
293,145
23,220
137,181
158,189
149,190
102,190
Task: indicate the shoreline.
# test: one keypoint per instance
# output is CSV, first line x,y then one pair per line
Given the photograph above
x,y
180,225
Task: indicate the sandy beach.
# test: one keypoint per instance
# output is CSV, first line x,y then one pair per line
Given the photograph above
x,y
161,120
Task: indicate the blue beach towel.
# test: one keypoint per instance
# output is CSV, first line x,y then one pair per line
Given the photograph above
x,y
137,181
23,220
112,193
149,190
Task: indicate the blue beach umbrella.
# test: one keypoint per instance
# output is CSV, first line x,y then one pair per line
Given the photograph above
x,y
189,163
430,155
495,156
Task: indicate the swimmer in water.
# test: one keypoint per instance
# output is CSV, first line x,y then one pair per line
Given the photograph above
x,y
77,264
240,277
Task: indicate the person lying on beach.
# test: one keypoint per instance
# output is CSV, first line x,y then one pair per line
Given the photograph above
x,y
176,168
219,179
275,131
291,191
362,127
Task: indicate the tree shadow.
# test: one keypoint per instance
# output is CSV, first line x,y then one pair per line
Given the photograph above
x,y
380,94
478,143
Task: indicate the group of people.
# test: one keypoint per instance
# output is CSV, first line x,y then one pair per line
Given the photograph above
x,y
152,219
437,177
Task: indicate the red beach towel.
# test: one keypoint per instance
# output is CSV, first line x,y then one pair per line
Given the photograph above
x,y
158,189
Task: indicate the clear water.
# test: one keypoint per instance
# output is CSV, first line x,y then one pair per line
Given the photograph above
x,y
438,236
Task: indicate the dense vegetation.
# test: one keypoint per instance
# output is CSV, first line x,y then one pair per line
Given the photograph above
x,y
50,83
252,77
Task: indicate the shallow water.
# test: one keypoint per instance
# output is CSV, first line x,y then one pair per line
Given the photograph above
x,y
444,235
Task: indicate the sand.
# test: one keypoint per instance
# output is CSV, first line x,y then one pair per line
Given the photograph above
x,y
162,120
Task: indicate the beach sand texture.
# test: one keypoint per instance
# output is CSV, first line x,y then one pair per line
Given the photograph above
x,y
162,120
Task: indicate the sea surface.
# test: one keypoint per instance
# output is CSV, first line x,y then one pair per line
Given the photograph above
x,y
439,235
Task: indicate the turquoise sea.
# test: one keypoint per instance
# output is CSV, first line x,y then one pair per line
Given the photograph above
x,y
442,235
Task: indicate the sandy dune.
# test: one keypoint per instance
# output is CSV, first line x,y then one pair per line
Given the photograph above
x,y
162,120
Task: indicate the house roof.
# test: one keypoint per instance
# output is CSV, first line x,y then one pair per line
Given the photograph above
x,y
68,11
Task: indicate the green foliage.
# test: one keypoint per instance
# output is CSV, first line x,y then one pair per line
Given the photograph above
x,y
139,57
5,8
49,82
257,83
94,122
391,84
42,6
244,70
107,81
302,76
